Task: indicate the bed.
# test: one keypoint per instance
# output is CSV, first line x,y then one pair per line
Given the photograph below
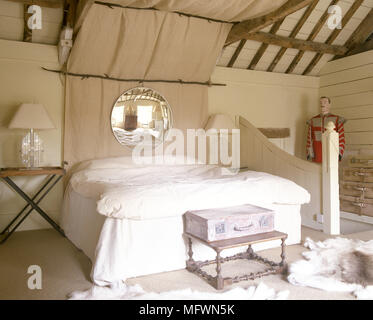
x,y
128,218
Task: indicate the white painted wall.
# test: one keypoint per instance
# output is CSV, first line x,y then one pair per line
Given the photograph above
x,y
23,80
268,100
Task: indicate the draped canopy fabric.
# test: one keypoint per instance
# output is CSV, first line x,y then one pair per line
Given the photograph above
x,y
143,44
228,10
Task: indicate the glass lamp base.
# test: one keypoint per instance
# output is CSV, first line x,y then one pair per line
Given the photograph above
x,y
31,150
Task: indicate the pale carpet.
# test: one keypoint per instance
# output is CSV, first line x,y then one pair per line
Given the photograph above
x,y
66,269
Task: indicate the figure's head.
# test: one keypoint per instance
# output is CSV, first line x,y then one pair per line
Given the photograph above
x,y
324,105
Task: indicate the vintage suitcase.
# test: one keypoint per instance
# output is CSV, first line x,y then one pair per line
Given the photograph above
x,y
227,223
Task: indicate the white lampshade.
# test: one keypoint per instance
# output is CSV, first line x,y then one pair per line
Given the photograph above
x,y
220,121
31,116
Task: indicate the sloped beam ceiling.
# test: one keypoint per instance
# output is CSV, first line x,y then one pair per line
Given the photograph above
x,y
236,53
316,29
41,3
264,46
334,34
27,32
293,33
359,36
69,13
287,42
239,30
366,46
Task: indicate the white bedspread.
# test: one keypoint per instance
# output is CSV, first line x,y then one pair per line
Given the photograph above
x,y
150,192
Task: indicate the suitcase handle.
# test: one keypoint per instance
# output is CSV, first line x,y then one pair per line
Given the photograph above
x,y
243,228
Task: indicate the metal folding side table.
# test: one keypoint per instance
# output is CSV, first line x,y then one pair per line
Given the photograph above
x,y
54,175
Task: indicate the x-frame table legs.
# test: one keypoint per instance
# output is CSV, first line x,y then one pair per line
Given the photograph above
x,y
33,204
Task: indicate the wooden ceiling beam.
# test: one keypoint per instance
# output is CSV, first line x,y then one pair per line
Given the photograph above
x,y
366,46
264,46
239,30
363,31
69,13
356,5
360,35
41,3
315,31
292,43
236,53
293,33
27,32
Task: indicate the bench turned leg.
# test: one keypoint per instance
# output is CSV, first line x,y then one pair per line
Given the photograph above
x,y
190,251
282,263
250,252
219,278
190,264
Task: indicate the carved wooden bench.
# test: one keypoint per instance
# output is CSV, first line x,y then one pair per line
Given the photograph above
x,y
218,281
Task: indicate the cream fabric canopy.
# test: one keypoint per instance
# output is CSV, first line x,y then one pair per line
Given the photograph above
x,y
229,10
143,44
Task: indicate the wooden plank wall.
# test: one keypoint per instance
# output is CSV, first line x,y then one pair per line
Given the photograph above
x,y
349,84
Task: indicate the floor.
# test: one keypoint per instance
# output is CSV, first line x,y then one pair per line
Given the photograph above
x,y
66,269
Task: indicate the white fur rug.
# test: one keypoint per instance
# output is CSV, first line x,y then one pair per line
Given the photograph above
x,y
321,269
120,291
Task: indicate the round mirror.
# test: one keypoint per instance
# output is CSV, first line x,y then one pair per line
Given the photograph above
x,y
140,115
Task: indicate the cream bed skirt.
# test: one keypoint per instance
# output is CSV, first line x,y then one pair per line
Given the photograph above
x,y
123,248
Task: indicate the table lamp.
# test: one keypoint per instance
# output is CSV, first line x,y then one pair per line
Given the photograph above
x,y
31,116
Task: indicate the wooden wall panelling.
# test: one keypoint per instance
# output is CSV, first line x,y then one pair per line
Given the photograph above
x,y
359,99
359,138
359,112
358,125
352,87
357,73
